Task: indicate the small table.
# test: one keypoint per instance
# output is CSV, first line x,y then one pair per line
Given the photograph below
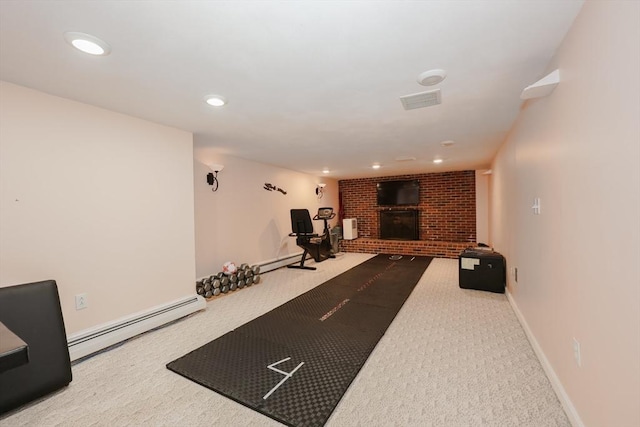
x,y
13,351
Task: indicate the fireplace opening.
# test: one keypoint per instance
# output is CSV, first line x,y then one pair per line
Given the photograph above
x,y
399,224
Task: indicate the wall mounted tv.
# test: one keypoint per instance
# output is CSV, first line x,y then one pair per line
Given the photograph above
x,y
398,193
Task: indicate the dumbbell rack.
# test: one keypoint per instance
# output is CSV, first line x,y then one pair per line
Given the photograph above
x,y
222,283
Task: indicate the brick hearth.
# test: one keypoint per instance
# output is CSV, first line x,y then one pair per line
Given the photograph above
x,y
405,247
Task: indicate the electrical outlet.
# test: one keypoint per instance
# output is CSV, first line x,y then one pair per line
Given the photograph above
x,y
576,352
81,301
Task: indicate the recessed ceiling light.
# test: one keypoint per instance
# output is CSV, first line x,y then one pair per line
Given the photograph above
x,y
432,77
87,43
325,170
376,166
437,161
215,100
447,143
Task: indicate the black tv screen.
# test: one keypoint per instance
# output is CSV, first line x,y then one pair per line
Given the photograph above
x,y
397,193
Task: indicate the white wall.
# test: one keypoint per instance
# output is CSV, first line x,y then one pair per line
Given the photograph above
x,y
243,222
99,201
482,207
579,261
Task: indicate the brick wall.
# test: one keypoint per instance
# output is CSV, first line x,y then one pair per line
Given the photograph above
x,y
447,214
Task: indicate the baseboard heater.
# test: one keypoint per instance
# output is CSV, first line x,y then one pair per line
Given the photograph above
x,y
95,339
270,265
274,264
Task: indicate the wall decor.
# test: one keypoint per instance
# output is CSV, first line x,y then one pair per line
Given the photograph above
x,y
271,187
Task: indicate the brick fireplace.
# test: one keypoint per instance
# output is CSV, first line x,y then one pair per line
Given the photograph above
x,y
446,215
399,224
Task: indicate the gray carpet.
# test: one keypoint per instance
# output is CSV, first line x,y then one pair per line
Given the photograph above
x,y
451,357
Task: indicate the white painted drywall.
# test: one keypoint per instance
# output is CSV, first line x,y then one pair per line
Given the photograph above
x,y
578,150
244,223
99,201
482,207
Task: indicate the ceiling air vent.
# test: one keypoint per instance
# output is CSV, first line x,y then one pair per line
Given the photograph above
x,y
421,100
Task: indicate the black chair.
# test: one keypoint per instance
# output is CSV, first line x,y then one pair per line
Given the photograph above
x,y
319,247
32,312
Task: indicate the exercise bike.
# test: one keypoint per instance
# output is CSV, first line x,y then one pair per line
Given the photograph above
x,y
318,246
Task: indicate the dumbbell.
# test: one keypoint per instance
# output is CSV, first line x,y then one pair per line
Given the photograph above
x,y
244,266
215,283
233,278
199,290
249,280
233,286
241,284
240,274
208,294
256,279
255,269
224,289
216,291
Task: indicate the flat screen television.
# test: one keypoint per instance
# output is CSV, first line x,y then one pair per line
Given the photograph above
x,y
398,193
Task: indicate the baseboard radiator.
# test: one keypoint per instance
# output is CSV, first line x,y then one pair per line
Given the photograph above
x,y
95,339
274,264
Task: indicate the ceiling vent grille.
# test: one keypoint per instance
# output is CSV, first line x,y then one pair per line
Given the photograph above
x,y
421,100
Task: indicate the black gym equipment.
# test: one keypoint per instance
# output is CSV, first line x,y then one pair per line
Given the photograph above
x,y
319,247
221,283
295,362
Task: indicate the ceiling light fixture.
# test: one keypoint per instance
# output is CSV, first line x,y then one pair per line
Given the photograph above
x,y
87,43
376,166
432,77
437,161
215,100
325,170
447,143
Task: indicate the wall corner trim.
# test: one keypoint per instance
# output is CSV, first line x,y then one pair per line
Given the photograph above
x,y
561,393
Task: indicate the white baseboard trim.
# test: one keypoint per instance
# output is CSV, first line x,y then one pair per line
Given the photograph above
x,y
567,405
100,337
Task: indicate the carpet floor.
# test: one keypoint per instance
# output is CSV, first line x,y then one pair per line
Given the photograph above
x,y
451,357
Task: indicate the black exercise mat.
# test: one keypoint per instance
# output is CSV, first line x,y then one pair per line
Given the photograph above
x,y
295,362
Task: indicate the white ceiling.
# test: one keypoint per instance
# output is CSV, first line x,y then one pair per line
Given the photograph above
x,y
310,84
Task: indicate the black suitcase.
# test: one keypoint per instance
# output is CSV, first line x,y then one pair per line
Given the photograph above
x,y
481,269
